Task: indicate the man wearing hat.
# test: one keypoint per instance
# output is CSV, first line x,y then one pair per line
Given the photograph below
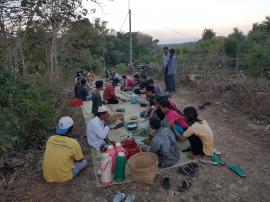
x,y
97,130
63,158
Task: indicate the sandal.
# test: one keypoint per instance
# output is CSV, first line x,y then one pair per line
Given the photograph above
x,y
165,182
239,171
216,158
193,166
184,185
186,171
206,161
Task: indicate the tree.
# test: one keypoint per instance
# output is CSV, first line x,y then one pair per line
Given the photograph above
x,y
208,34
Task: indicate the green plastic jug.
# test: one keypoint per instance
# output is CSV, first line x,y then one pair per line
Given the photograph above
x,y
120,167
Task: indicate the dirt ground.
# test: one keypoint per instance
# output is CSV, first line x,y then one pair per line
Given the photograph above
x,y
241,140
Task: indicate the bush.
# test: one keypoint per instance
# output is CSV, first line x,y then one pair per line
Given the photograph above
x,y
121,68
24,117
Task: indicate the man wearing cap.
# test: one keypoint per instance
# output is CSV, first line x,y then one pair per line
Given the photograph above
x,y
63,158
109,92
97,130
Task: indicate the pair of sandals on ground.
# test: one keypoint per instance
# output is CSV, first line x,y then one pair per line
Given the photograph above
x,y
188,170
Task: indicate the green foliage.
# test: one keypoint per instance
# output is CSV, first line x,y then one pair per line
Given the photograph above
x,y
121,68
257,52
24,117
208,34
234,43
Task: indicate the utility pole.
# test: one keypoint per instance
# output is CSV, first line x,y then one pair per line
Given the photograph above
x,y
130,39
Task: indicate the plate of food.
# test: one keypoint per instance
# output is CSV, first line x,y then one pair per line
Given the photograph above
x,y
132,125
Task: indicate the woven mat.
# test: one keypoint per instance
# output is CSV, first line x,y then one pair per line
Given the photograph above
x,y
115,135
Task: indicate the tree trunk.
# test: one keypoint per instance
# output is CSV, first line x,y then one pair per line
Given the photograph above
x,y
52,56
22,57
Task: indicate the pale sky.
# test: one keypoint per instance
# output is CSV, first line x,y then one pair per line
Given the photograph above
x,y
176,21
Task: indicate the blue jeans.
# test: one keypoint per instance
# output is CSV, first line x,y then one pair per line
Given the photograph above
x,y
171,82
178,128
79,166
166,81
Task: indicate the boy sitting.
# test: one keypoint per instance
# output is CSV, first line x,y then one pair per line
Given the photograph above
x,y
163,144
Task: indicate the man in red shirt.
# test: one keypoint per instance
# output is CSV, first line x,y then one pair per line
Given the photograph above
x,y
127,84
109,93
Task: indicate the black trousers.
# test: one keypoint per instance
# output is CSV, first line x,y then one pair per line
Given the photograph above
x,y
196,144
113,101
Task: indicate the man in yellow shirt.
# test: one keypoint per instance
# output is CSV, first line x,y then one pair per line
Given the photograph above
x,y
63,158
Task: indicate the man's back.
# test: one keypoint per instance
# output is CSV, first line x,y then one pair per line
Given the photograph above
x,y
96,102
60,153
82,92
164,143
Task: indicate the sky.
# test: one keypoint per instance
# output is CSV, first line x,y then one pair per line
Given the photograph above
x,y
178,21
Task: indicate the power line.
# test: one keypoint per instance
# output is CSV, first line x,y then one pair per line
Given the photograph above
x,y
123,23
164,27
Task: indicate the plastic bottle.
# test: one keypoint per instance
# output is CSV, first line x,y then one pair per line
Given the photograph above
x,y
119,148
112,153
120,167
105,169
133,99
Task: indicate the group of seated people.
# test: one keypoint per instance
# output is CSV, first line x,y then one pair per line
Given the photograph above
x,y
63,158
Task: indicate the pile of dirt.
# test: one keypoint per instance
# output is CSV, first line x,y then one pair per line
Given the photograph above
x,y
245,95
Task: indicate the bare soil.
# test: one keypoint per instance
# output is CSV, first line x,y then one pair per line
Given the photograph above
x,y
242,140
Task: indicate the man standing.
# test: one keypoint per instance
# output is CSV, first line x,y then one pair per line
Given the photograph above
x,y
63,158
165,67
97,131
171,71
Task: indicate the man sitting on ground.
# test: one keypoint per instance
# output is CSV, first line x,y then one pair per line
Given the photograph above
x,y
127,84
83,91
63,158
97,130
154,100
109,93
76,87
157,87
163,144
96,97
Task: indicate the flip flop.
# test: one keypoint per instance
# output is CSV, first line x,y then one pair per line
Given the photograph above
x,y
193,166
119,197
130,198
184,185
186,171
165,182
216,158
205,161
239,171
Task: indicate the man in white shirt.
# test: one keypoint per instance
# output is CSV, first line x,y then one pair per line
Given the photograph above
x,y
97,131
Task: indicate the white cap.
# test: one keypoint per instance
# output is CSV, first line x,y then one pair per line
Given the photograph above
x,y
118,144
102,109
110,147
121,154
64,124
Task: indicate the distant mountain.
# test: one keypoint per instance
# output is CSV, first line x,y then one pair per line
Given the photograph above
x,y
174,45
